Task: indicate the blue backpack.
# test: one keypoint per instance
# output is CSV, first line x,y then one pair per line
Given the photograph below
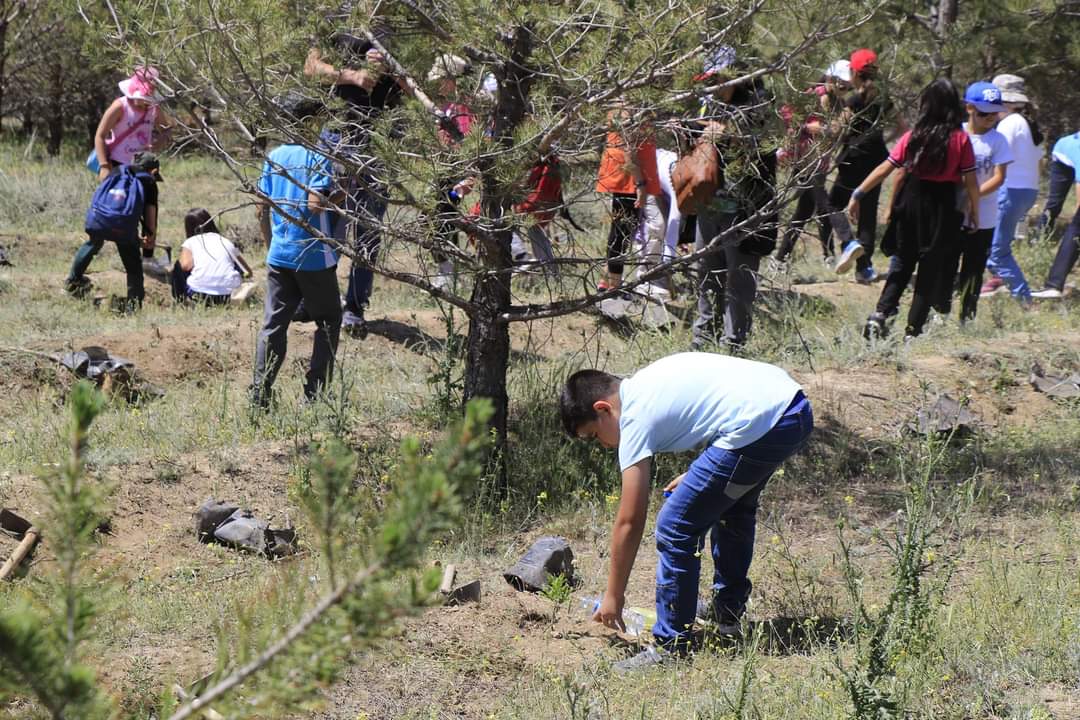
x,y
117,207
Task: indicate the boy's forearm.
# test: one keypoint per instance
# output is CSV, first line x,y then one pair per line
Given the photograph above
x,y
994,183
629,525
876,177
972,186
625,539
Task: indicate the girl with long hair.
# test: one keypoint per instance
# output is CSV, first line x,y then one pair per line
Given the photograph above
x,y
936,158
210,267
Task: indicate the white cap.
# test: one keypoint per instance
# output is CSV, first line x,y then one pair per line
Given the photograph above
x,y
447,66
841,70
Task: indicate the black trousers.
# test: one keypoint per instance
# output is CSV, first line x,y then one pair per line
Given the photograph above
x,y
445,232
927,291
849,175
813,199
624,220
965,260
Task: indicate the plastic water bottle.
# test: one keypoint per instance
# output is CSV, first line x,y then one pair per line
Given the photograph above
x,y
635,620
117,197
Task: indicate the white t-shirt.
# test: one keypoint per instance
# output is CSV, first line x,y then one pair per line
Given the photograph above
x,y
690,400
1024,172
664,159
214,272
991,149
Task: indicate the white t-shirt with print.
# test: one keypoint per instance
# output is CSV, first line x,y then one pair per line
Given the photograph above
x,y
991,149
1024,172
690,400
214,272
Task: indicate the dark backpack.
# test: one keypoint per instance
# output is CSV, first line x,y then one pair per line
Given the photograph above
x,y
117,207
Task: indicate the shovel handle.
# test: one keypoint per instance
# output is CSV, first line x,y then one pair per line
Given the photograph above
x,y
27,544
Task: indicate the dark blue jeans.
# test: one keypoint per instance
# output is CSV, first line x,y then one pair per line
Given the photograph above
x,y
1062,178
719,495
1067,254
367,203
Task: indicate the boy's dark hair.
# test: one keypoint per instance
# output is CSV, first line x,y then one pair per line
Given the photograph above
x,y
198,221
582,389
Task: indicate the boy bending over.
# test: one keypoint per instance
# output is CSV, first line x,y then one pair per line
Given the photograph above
x,y
748,416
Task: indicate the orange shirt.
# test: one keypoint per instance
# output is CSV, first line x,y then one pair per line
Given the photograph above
x,y
614,176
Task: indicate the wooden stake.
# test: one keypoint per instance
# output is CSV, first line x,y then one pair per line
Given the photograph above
x,y
447,584
30,538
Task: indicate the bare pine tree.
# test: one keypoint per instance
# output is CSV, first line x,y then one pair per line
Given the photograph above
x,y
543,79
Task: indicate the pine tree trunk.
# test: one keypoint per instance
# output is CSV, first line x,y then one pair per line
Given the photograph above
x,y
3,64
487,355
488,350
55,120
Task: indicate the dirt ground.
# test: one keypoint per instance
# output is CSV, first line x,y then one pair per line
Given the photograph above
x,y
439,659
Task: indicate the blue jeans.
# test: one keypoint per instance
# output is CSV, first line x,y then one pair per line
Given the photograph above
x,y
367,201
719,495
1013,205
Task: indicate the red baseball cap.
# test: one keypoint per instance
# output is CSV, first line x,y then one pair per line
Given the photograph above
x,y
862,58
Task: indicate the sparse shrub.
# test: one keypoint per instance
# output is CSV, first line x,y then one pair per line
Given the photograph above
x,y
281,664
889,638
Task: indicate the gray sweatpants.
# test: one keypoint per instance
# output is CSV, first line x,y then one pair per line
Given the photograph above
x,y
727,284
284,290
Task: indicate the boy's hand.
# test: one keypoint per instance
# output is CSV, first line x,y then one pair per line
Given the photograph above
x,y
148,241
465,187
610,612
670,487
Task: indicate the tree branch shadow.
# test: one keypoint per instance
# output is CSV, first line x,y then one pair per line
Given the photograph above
x,y
422,343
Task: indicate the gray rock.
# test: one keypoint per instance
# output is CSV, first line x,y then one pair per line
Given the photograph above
x,y
944,415
243,531
210,515
548,556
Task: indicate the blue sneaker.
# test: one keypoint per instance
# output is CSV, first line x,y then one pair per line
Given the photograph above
x,y
852,252
867,276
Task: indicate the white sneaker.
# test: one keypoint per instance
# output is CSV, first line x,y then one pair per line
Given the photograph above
x,y
653,291
1048,294
852,252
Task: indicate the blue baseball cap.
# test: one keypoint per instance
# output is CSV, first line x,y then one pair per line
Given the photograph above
x,y
986,97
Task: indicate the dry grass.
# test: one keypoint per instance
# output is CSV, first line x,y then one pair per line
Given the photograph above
x,y
1008,631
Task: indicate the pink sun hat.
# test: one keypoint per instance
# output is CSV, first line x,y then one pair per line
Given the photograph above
x,y
141,85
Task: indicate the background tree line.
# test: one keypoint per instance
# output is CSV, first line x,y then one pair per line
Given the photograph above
x,y
60,60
